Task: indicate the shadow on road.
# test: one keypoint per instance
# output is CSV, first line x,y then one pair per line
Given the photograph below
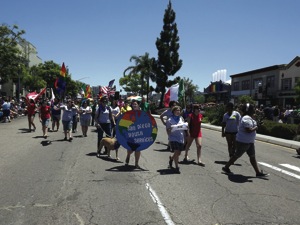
x,y
238,178
24,130
224,162
124,168
166,171
46,143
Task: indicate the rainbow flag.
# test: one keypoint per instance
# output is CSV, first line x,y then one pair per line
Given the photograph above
x,y
63,70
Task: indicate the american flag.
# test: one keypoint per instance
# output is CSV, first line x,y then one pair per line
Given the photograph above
x,y
107,91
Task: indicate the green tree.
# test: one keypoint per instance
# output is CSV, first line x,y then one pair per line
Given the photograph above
x,y
190,90
245,99
45,75
199,99
144,67
131,83
10,55
168,62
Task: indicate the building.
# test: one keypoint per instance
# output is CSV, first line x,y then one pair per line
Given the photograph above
x,y
218,90
29,53
270,85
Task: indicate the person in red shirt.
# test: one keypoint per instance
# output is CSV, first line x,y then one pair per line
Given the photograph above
x,y
44,115
31,107
194,120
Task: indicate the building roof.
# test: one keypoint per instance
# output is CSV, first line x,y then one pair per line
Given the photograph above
x,y
293,62
266,69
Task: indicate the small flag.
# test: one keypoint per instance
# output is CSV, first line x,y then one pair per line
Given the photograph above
x,y
63,70
110,84
34,95
174,93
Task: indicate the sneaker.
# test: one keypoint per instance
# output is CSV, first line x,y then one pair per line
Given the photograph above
x,y
226,170
176,170
201,164
262,174
70,139
138,167
98,155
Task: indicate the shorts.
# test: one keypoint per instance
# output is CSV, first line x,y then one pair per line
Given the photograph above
x,y
85,122
177,146
56,118
45,122
67,125
232,133
241,148
31,115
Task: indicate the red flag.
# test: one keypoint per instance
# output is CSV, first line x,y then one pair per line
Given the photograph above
x,y
167,98
63,70
34,95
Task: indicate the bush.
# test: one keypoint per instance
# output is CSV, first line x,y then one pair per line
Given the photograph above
x,y
280,130
215,114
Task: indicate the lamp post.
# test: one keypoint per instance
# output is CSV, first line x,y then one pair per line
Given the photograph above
x,y
18,89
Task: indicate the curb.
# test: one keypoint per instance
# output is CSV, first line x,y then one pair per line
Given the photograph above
x,y
259,137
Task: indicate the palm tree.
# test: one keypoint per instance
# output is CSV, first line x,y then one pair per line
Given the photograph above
x,y
190,89
144,67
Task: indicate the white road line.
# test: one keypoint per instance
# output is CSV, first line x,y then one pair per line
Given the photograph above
x,y
291,167
280,170
161,208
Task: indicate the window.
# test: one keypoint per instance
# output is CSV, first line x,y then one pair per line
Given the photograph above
x,y
245,84
271,81
297,79
286,84
257,83
236,86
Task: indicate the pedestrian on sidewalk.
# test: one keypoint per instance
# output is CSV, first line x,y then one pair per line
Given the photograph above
x,y
6,110
245,139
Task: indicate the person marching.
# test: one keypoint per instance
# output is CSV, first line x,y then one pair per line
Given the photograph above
x,y
230,124
44,116
67,119
176,136
137,154
194,120
168,113
85,113
103,120
31,110
55,114
126,107
245,139
115,110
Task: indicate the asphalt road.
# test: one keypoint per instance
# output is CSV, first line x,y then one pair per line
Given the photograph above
x,y
56,182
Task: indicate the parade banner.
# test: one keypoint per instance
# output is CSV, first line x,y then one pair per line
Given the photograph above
x,y
136,130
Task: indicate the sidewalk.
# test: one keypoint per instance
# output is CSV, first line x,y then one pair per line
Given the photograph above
x,y
259,137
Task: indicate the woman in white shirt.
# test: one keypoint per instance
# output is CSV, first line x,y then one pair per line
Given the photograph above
x,y
115,110
245,139
85,112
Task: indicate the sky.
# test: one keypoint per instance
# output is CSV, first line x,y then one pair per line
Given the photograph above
x,y
96,38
